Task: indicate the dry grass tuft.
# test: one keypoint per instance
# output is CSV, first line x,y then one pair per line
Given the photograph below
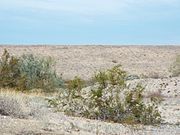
x,y
13,104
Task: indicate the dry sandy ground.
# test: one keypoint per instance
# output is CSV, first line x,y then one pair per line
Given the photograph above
x,y
45,121
84,61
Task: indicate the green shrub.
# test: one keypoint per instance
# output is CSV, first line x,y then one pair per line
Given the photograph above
x,y
10,75
39,73
175,68
28,72
114,76
109,99
74,87
101,78
138,111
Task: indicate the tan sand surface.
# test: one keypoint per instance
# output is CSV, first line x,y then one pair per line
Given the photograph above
x,y
85,60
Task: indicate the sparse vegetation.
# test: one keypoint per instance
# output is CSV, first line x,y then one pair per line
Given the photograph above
x,y
28,72
39,73
109,99
74,87
13,104
112,95
10,75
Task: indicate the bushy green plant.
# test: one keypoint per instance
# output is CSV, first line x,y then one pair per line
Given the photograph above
x,y
175,68
10,75
105,99
28,72
137,111
114,76
101,78
70,99
74,87
109,99
39,73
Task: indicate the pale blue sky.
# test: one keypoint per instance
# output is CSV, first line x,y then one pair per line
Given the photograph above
x,y
90,22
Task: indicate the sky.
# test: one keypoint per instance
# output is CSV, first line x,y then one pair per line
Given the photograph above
x,y
100,22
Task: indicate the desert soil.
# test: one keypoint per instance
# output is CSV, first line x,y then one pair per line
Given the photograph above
x,y
83,61
150,61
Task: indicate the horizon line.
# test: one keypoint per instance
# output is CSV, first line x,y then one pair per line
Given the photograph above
x,y
42,44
